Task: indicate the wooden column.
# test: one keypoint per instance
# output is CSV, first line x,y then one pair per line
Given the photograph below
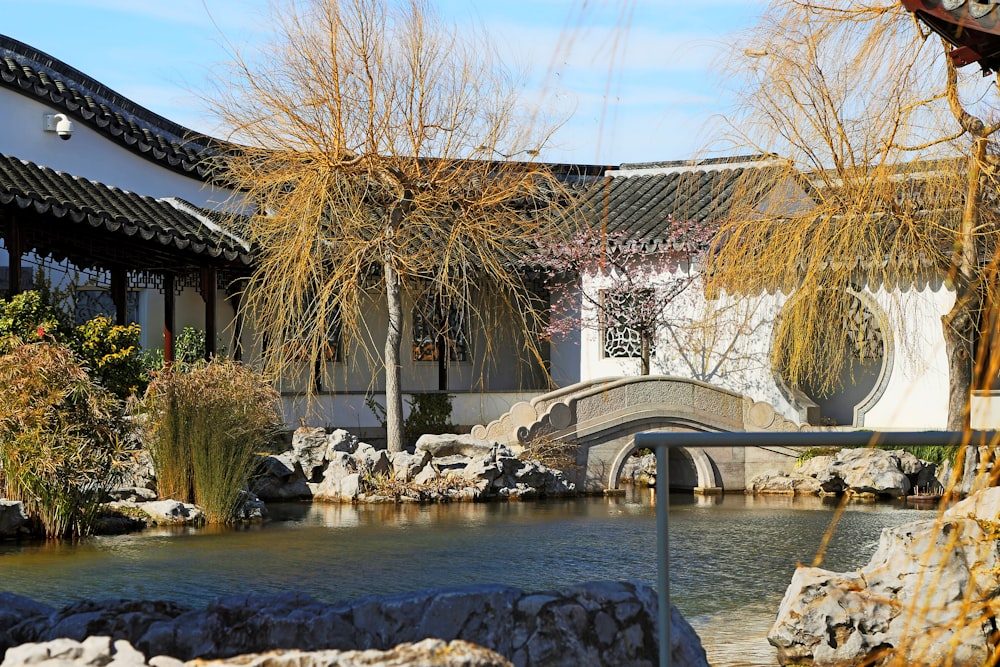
x,y
169,310
209,292
119,294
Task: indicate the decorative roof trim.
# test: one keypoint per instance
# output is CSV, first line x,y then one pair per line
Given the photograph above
x,y
64,196
704,164
195,212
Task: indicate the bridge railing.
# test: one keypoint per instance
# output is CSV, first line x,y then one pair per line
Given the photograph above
x,y
663,441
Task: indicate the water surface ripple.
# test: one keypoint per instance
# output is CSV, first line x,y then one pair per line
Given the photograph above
x,y
731,557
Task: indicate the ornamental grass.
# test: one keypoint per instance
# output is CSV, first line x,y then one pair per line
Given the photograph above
x,y
203,427
63,441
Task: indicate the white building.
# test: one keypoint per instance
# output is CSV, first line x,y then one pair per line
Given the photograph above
x,y
125,194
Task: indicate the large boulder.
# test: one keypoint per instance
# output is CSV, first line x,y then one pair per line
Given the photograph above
x,y
875,471
280,478
309,448
775,482
450,444
928,596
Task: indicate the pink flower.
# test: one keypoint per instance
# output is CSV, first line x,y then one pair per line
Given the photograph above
x,y
41,332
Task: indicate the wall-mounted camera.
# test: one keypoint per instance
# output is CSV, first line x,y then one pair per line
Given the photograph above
x,y
58,123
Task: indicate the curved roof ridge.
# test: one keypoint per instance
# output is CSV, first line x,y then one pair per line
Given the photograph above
x,y
36,74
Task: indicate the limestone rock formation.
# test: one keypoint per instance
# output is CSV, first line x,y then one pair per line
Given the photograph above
x,y
336,467
100,652
860,471
601,623
929,595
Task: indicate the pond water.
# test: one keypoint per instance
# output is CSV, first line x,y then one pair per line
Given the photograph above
x,y
731,556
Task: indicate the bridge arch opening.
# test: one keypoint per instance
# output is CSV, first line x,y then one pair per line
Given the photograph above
x,y
691,470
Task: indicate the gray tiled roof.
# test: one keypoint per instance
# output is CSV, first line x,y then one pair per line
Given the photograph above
x,y
49,80
159,226
636,200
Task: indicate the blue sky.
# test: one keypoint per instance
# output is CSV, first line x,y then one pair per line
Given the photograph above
x,y
645,92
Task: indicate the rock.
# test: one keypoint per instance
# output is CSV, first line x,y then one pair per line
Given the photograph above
x,y
450,444
427,652
16,610
13,518
873,471
309,447
172,512
132,494
280,478
600,623
372,461
778,483
341,441
927,597
340,466
250,508
640,470
98,651
427,475
405,466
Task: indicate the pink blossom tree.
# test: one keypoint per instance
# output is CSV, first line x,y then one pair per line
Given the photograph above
x,y
637,279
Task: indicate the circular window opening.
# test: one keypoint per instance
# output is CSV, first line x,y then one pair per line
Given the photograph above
x,y
829,357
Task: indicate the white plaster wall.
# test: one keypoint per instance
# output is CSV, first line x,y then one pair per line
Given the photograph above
x,y
735,351
92,155
916,396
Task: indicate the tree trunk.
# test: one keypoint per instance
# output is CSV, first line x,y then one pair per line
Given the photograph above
x,y
393,343
958,327
645,345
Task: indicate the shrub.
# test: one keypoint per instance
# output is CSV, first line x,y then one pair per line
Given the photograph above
x,y
203,427
429,413
113,355
27,318
62,438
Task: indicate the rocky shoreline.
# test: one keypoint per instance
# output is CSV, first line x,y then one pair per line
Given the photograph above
x,y
600,623
930,595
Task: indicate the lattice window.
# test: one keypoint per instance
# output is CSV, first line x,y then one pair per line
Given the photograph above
x,y
430,322
89,302
864,332
621,341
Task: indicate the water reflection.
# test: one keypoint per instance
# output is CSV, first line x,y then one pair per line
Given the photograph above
x,y
732,556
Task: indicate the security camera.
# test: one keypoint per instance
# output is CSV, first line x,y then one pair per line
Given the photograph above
x,y
60,124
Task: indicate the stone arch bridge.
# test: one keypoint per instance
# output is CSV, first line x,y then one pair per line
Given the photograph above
x,y
603,416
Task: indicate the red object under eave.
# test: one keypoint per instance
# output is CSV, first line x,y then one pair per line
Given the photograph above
x,y
973,26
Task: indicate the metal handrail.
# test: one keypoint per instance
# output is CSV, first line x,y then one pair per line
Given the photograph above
x,y
663,441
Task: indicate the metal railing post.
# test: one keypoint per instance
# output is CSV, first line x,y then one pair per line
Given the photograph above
x,y
663,441
663,551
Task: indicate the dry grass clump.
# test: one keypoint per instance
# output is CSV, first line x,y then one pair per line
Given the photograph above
x,y
203,427
552,453
63,441
446,486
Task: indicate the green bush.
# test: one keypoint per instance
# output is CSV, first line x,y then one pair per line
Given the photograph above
x,y
62,438
28,318
429,413
203,427
113,355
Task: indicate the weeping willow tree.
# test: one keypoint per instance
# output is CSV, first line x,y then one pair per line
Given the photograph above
x,y
375,159
886,179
